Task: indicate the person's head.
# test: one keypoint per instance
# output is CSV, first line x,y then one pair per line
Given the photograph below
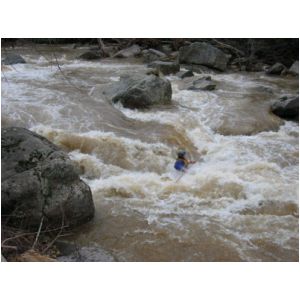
x,y
181,153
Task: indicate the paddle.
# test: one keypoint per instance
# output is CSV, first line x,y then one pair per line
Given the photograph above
x,y
184,172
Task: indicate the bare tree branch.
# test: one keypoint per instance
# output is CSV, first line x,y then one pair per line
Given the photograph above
x,y
39,231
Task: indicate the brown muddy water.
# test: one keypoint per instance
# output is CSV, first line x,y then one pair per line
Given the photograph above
x,y
239,203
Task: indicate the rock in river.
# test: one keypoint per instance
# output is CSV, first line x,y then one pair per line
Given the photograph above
x,y
276,69
203,54
132,51
38,179
286,107
90,55
204,83
142,92
184,74
294,69
165,68
12,59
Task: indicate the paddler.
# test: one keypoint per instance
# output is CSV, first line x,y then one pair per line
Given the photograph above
x,y
182,162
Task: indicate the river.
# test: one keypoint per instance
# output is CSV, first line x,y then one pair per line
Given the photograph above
x,y
239,202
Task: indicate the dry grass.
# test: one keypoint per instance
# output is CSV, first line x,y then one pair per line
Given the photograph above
x,y
24,245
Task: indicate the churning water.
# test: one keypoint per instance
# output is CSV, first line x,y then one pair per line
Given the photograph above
x,y
239,202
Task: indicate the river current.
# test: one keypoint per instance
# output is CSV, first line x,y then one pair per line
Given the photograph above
x,y
239,202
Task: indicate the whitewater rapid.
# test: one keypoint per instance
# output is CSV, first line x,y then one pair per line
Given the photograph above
x,y
239,202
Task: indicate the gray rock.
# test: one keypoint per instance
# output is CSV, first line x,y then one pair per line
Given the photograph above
x,y
200,69
294,69
256,67
90,55
203,84
240,61
286,107
276,69
174,55
151,55
141,92
157,53
167,49
72,253
38,179
110,50
165,68
132,51
203,54
184,74
12,59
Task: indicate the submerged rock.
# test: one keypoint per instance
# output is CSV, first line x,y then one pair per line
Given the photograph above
x,y
201,84
204,84
184,74
12,59
141,92
39,180
203,54
200,69
165,68
286,107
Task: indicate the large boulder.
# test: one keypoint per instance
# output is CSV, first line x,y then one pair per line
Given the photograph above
x,y
132,51
276,69
164,67
286,107
12,59
203,54
141,92
294,69
39,180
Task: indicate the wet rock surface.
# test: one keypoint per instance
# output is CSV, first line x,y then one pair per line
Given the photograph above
x,y
12,59
286,107
165,68
294,69
90,55
204,83
184,74
39,180
132,51
276,69
203,54
141,91
70,252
